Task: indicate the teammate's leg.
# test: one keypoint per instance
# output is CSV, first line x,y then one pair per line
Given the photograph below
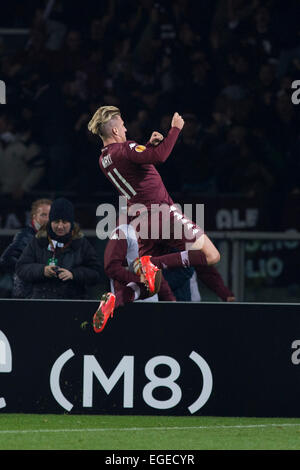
x,y
110,302
207,247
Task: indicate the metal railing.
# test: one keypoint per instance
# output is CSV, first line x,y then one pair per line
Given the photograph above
x,y
232,245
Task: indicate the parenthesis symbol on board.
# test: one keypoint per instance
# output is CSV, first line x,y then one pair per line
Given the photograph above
x,y
207,382
54,379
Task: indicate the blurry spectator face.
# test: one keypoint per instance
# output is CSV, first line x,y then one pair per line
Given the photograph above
x,y
37,40
96,29
284,106
42,214
73,41
38,16
266,74
96,56
70,88
236,135
165,123
241,65
262,19
27,113
142,115
286,83
61,227
186,35
150,99
200,70
6,125
146,4
3,124
190,125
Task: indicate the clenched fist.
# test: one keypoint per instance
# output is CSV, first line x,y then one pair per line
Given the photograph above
x,y
177,121
156,138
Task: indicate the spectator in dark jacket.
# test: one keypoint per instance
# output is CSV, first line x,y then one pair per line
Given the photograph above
x,y
60,262
39,216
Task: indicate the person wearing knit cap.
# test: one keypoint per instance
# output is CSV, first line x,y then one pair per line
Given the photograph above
x,y
60,261
62,209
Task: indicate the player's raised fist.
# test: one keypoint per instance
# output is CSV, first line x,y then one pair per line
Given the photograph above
x,y
177,121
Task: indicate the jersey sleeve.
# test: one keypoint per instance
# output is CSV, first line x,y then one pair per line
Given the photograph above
x,y
141,154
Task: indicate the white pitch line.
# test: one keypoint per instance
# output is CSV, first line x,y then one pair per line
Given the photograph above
x,y
165,428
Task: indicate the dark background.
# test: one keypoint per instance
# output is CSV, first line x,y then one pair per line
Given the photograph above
x,y
227,66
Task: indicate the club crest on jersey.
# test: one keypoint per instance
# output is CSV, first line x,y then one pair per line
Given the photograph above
x,y
140,148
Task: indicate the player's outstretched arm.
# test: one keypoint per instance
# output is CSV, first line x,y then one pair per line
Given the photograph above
x,y
157,153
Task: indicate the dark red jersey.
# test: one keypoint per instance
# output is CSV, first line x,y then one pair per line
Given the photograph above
x,y
130,167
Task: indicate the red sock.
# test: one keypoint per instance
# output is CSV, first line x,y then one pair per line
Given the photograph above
x,y
124,296
173,260
180,259
197,258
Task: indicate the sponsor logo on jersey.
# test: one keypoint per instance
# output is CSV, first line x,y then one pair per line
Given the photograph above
x,y
140,148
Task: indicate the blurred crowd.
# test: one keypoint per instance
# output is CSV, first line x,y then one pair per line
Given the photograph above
x,y
225,65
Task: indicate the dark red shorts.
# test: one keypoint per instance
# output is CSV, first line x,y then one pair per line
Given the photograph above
x,y
165,230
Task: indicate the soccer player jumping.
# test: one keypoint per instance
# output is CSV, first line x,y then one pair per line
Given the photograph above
x,y
130,167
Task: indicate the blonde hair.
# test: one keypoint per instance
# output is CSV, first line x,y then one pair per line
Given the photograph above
x,y
98,123
39,202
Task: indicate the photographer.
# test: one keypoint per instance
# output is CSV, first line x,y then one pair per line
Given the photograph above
x,y
59,262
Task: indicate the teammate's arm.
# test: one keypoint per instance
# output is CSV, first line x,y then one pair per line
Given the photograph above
x,y
114,256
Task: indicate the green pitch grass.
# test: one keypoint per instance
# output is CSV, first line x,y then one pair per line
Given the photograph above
x,y
82,432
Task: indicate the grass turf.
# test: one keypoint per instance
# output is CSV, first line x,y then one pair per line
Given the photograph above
x,y
82,432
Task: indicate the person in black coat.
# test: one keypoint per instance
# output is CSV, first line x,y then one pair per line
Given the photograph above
x,y
60,262
39,216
